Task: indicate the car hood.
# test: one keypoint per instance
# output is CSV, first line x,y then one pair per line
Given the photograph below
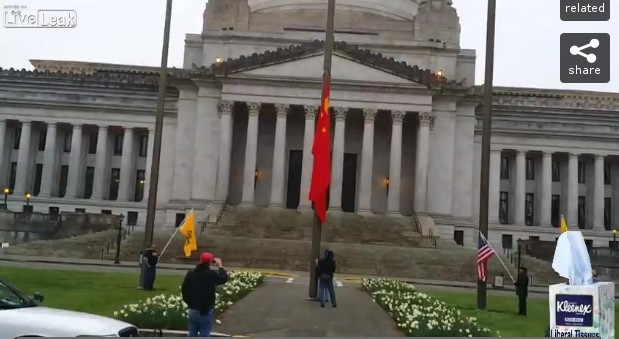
x,y
56,322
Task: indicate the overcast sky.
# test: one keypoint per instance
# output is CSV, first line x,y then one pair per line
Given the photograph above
x,y
130,32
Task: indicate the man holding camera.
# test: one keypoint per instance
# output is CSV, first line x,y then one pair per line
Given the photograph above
x,y
198,291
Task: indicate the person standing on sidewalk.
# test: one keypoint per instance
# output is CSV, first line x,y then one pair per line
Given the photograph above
x,y
522,290
151,259
326,270
198,290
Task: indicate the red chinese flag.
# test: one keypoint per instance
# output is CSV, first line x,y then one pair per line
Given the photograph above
x,y
321,174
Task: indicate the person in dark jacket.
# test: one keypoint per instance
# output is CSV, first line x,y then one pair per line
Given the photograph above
x,y
198,292
151,259
326,270
522,290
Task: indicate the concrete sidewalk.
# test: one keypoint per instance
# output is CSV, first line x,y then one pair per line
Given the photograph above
x,y
281,310
291,274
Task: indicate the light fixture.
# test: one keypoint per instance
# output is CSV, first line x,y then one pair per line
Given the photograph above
x,y
439,73
28,196
218,60
387,181
142,182
7,190
257,173
614,231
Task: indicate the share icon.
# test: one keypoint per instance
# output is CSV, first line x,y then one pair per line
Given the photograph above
x,y
591,58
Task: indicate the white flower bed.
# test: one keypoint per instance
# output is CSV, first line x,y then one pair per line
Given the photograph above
x,y
419,315
170,311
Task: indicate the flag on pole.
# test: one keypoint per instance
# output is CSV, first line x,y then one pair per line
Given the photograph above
x,y
563,225
188,229
484,253
321,173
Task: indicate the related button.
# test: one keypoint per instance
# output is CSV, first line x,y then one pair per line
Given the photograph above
x,y
585,58
585,10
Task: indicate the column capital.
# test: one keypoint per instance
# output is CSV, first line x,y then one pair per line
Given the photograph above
x,y
369,114
151,131
573,154
397,117
78,126
521,152
225,107
52,124
496,151
254,108
26,123
426,119
600,156
547,154
340,113
282,110
310,111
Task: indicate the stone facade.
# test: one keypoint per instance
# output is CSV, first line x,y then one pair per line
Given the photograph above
x,y
240,120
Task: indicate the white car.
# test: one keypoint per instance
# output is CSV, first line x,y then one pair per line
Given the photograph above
x,y
22,316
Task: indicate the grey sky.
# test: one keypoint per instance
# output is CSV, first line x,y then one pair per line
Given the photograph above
x,y
130,32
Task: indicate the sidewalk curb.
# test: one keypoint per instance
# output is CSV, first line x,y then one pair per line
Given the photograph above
x,y
185,333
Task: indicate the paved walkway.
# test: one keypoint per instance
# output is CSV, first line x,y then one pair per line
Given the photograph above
x,y
281,310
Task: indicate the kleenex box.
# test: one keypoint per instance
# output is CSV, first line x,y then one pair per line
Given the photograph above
x,y
582,311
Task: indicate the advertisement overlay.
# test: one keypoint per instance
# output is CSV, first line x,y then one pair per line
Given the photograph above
x,y
574,310
20,16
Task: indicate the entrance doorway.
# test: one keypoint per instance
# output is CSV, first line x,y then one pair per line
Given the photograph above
x,y
293,191
349,183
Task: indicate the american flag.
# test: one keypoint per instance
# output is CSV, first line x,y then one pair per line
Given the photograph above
x,y
484,253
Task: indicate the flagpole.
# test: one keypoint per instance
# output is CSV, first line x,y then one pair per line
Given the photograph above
x,y
326,79
498,257
168,243
485,141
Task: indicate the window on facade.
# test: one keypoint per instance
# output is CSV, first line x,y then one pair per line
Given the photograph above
x,y
92,143
132,218
581,172
459,237
42,139
504,168
16,138
38,173
89,181
608,210
12,176
114,182
530,169
556,171
555,210
139,185
118,144
607,172
66,147
529,209
507,241
143,151
503,207
581,212
62,185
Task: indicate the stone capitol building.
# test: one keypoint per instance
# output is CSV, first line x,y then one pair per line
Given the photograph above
x,y
240,119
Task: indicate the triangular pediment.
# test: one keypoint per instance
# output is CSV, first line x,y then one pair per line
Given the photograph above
x,y
342,69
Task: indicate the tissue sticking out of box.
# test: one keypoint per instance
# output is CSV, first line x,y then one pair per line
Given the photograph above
x,y
571,259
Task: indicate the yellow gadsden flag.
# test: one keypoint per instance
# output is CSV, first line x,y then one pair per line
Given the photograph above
x,y
188,228
563,225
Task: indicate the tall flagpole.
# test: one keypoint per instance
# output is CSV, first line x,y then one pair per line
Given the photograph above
x,y
154,172
485,142
326,79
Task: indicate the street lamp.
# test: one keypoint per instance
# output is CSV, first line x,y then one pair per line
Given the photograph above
x,y
614,236
28,196
6,196
118,238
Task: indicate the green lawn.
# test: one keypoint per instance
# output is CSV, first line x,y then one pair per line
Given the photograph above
x,y
93,292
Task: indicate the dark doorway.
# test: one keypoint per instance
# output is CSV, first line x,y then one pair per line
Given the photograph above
x,y
180,217
293,193
459,237
349,182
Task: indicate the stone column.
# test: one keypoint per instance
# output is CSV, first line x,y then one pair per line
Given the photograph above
x,y
126,168
223,168
49,160
546,189
520,186
337,165
572,191
149,162
23,160
279,155
598,191
101,164
494,187
423,153
251,148
75,168
367,161
308,158
3,154
395,163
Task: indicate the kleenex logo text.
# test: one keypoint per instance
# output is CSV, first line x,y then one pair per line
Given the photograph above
x,y
574,310
566,306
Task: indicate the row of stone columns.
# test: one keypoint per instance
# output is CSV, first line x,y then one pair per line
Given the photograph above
x,y
367,158
76,167
546,188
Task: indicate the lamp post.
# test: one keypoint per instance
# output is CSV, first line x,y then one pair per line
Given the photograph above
x,y
28,196
614,236
6,196
118,238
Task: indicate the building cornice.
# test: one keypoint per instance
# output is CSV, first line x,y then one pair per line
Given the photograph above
x,y
170,109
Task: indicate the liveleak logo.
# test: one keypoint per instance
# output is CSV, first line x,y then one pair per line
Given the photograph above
x,y
574,310
23,17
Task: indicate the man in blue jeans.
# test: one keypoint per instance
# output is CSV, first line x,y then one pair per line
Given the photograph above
x,y
198,291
